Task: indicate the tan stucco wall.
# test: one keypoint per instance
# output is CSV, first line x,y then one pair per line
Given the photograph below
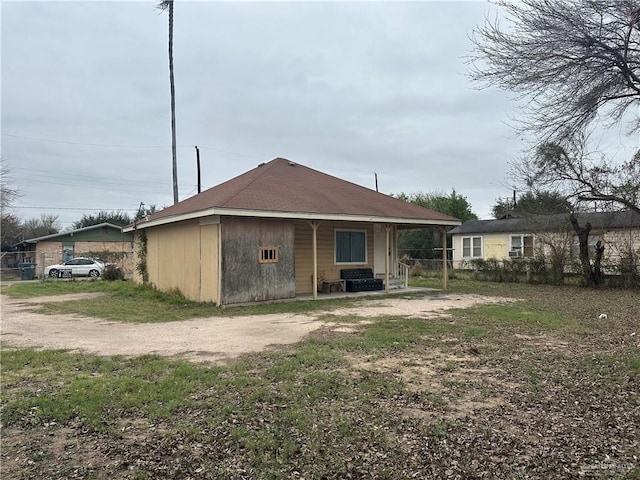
x,y
326,261
184,256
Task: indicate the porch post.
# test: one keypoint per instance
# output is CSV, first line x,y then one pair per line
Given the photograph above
x,y
387,229
445,273
314,226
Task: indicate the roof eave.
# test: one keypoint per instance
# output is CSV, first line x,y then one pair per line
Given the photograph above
x,y
71,232
290,215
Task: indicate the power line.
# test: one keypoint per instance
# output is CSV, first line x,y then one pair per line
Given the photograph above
x,y
53,174
104,187
78,209
112,145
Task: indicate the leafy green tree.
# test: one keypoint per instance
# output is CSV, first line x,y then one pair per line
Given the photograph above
x,y
143,211
532,203
420,243
115,217
453,204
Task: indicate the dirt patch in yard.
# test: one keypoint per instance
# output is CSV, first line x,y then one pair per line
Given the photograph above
x,y
213,339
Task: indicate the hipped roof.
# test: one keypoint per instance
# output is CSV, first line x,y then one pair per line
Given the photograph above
x,y
284,189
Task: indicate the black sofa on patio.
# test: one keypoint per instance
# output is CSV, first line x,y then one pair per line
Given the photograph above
x,y
360,280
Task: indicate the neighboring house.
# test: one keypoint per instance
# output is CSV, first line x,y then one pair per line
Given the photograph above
x,y
273,233
527,236
102,240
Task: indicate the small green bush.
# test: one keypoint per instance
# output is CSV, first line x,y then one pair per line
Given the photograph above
x,y
112,272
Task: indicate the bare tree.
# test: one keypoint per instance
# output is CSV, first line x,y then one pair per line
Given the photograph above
x,y
46,224
583,176
9,223
167,5
566,59
8,193
591,273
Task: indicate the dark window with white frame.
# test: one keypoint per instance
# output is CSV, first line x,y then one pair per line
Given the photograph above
x,y
521,246
350,246
471,247
268,255
593,239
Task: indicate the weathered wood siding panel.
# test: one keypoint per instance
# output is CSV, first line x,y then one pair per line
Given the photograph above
x,y
244,279
326,254
173,257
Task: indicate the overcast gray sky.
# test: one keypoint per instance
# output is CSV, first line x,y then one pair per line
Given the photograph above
x,y
350,89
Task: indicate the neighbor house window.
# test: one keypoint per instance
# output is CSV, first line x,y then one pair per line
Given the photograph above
x,y
351,246
268,255
521,246
593,239
472,247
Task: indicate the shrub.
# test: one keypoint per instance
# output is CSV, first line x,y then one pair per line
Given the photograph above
x,y
628,271
417,270
112,272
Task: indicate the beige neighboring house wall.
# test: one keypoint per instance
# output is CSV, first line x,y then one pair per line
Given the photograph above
x,y
619,241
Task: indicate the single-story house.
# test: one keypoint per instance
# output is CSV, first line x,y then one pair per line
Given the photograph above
x,y
275,232
527,236
104,241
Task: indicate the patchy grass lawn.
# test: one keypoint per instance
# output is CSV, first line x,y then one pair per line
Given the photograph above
x,y
540,388
129,302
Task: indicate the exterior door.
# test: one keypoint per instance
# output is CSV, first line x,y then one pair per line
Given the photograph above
x,y
380,247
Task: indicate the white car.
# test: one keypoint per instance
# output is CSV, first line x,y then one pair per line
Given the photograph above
x,y
80,267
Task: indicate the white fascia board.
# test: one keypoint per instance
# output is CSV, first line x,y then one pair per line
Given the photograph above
x,y
292,216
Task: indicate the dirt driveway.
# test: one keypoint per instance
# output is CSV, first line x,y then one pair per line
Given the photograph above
x,y
213,339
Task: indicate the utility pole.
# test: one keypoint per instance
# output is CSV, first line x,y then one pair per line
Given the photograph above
x,y
198,167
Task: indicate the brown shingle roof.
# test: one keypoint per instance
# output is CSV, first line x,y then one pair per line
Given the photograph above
x,y
286,187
